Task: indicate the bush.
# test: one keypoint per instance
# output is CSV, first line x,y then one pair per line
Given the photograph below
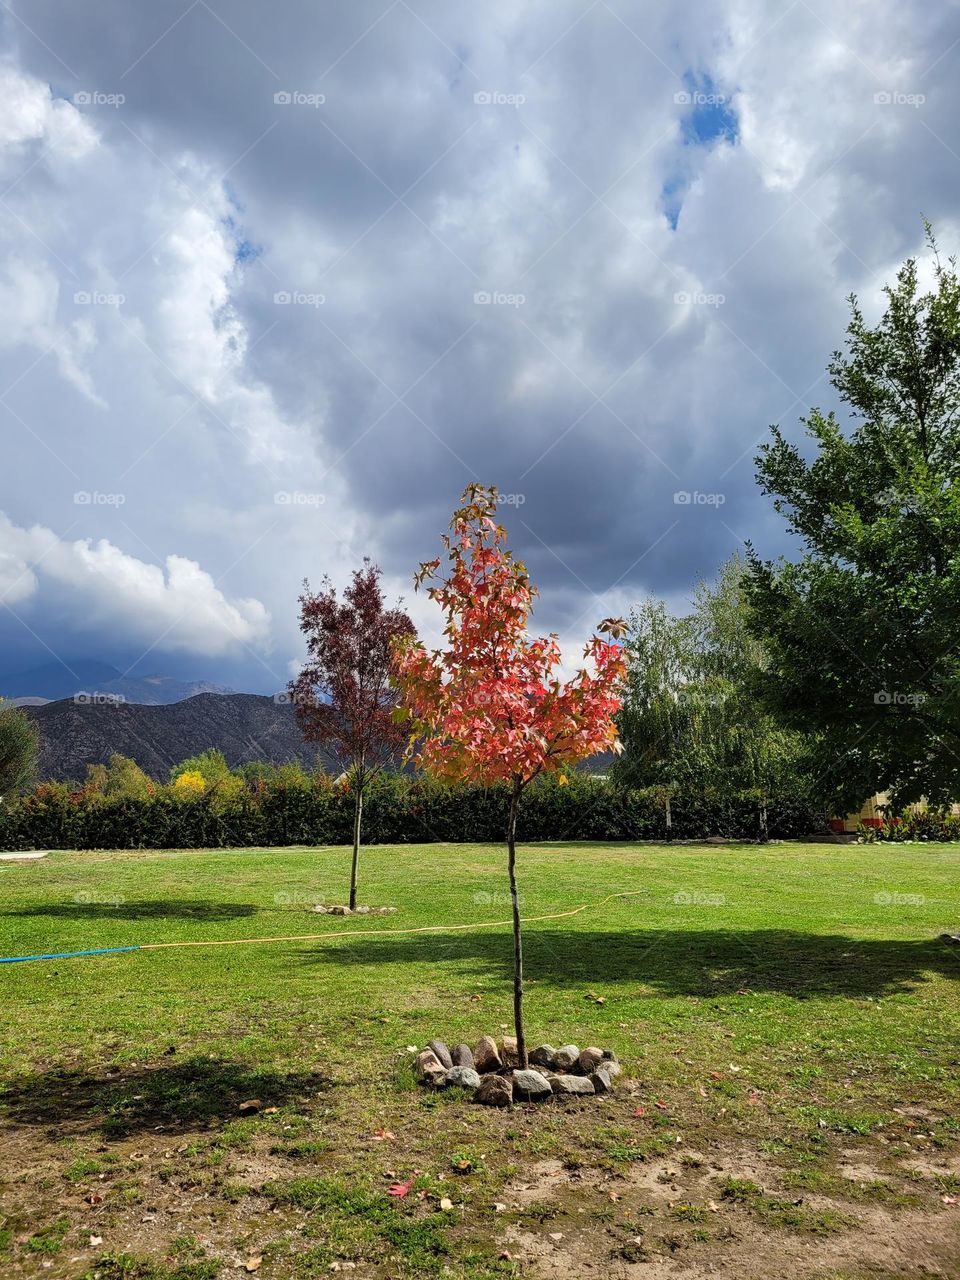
x,y
285,806
928,824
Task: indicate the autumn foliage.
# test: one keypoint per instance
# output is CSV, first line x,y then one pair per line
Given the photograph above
x,y
491,707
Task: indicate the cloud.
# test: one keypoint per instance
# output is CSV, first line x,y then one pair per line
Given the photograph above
x,y
99,587
664,276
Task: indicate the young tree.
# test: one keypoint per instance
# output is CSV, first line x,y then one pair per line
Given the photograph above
x,y
491,708
862,630
342,697
19,741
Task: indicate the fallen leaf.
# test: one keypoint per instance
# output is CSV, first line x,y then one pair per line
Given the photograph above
x,y
949,1199
271,1111
734,1067
384,1135
702,1091
400,1189
94,1198
499,1208
660,1104
640,1111
715,1075
251,1104
713,1206
446,1203
95,1241
253,1264
556,1235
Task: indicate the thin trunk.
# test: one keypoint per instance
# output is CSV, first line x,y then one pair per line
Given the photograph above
x,y
517,943
357,812
764,828
669,817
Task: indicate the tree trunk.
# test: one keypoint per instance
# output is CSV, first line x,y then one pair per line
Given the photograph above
x,y
764,827
669,817
357,812
517,942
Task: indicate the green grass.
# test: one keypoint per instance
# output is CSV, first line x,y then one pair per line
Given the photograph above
x,y
769,994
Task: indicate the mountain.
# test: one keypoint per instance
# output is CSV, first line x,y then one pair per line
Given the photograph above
x,y
54,680
245,726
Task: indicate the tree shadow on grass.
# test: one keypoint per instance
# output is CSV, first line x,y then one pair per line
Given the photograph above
x,y
672,962
118,908
198,1092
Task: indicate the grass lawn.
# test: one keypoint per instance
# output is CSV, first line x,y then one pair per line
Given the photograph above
x,y
788,1021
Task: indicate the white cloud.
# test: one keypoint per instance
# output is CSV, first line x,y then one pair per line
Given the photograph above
x,y
29,113
174,608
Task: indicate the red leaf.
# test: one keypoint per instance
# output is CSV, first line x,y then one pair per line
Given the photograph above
x,y
400,1189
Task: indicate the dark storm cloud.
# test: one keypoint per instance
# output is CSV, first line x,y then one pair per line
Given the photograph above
x,y
588,253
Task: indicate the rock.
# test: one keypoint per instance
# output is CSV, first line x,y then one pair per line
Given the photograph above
x,y
338,911
543,1055
494,1091
320,909
611,1067
571,1084
589,1060
601,1080
509,1053
566,1058
361,911
442,1052
531,1084
486,1055
463,1078
429,1068
609,1055
462,1056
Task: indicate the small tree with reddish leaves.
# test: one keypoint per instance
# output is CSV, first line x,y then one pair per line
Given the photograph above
x,y
342,697
491,707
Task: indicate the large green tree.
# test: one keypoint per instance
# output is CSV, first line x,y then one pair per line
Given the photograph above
x,y
862,629
691,722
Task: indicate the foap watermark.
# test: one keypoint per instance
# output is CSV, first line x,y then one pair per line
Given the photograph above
x,y
297,98
496,298
496,899
896,698
297,298
497,98
694,498
511,499
93,298
85,898
891,898
97,98
894,98
698,298
294,898
93,498
697,899
695,98
297,498
99,699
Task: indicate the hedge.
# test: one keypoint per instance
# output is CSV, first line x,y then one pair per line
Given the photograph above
x,y
311,810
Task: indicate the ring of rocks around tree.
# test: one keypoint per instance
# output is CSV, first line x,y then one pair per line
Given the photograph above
x,y
494,1077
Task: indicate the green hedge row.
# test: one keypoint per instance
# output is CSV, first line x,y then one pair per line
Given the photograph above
x,y
398,809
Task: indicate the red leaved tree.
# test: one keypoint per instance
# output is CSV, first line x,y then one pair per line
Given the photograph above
x,y
491,708
342,697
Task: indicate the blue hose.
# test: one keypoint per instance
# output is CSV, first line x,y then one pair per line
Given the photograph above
x,y
66,955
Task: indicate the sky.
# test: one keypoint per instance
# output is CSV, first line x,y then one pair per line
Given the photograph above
x,y
278,281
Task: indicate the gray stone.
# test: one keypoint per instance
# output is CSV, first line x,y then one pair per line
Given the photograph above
x,y
571,1084
612,1067
442,1052
601,1080
589,1060
462,1056
543,1055
462,1077
566,1058
429,1068
338,911
609,1055
494,1091
486,1055
510,1053
531,1084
